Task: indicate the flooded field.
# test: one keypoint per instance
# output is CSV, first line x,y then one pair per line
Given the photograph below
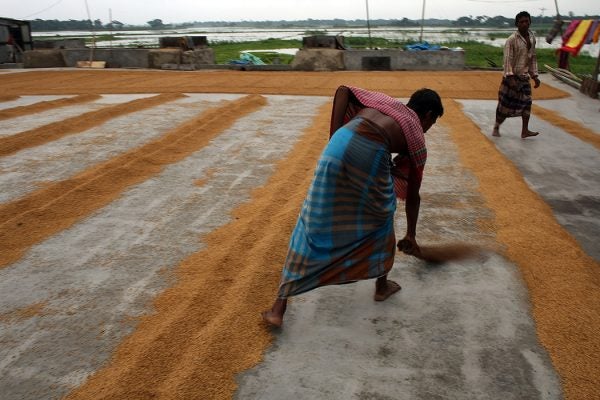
x,y
150,38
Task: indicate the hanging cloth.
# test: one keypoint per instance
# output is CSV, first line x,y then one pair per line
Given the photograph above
x,y
570,29
591,31
577,39
596,34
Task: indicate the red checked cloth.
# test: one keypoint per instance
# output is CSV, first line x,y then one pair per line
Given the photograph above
x,y
411,127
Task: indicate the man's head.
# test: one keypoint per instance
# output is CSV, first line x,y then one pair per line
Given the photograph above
x,y
523,21
428,106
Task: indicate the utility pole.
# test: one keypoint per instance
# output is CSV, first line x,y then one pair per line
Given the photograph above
x,y
110,21
93,32
368,25
422,22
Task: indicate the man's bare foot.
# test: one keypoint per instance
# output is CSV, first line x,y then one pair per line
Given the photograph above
x,y
272,318
496,132
383,291
528,134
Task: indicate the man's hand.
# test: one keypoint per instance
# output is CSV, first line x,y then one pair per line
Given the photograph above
x,y
536,82
409,246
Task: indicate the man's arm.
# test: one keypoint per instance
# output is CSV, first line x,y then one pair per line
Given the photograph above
x,y
340,105
509,57
533,66
412,205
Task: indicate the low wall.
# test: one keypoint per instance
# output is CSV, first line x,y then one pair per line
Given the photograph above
x,y
116,57
320,59
400,60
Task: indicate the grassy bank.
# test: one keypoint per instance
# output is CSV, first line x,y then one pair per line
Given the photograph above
x,y
227,51
477,55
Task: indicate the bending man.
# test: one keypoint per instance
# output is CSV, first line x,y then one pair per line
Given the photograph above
x,y
345,230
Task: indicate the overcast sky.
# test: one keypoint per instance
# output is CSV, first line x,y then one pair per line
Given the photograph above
x,y
138,12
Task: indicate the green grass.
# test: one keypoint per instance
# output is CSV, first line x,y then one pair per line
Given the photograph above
x,y
365,42
477,55
227,51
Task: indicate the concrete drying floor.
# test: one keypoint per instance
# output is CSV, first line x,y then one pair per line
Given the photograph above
x,y
142,234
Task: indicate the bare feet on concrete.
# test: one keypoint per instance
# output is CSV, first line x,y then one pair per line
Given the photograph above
x,y
384,288
528,134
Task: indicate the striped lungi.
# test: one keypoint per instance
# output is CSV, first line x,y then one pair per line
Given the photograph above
x,y
514,97
345,230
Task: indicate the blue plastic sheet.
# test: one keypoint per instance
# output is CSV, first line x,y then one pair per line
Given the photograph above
x,y
422,46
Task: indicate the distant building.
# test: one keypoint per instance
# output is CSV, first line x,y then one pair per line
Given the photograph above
x,y
15,38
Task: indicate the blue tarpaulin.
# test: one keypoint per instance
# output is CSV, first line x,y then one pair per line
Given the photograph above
x,y
422,46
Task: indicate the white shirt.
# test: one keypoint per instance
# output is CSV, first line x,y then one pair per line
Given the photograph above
x,y
518,59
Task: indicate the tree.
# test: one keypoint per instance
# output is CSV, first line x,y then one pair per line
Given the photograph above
x,y
464,21
156,24
481,19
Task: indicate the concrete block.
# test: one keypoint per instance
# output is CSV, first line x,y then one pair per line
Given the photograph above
x,y
158,57
43,59
199,56
323,41
318,60
183,42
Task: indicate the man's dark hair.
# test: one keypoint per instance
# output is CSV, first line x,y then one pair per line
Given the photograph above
x,y
521,15
425,100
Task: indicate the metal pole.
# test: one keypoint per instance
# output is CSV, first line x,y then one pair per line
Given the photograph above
x,y
422,22
111,26
368,24
93,33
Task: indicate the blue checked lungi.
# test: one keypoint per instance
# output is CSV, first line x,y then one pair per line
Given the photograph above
x,y
345,230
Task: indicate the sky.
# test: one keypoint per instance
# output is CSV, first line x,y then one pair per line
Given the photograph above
x,y
138,12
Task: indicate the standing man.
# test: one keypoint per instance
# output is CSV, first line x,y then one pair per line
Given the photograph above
x,y
345,230
520,64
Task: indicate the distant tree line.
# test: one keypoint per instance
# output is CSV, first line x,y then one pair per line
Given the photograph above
x,y
466,21
73,25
